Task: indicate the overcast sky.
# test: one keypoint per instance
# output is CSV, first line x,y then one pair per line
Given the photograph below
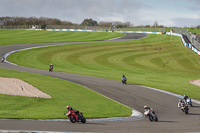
x,y
138,12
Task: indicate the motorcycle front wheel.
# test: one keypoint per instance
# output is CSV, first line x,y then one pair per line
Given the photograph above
x,y
72,119
150,117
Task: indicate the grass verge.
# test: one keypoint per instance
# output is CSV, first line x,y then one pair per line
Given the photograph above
x,y
158,61
30,36
63,93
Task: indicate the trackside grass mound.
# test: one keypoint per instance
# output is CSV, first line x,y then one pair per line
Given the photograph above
x,y
159,61
63,93
31,36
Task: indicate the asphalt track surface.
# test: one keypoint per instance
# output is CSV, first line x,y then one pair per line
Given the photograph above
x,y
171,119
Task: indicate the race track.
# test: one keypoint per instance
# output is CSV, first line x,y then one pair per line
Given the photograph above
x,y
171,119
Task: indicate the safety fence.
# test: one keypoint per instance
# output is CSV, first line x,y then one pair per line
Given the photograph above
x,y
147,32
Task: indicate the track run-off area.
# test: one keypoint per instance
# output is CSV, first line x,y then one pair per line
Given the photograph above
x,y
171,119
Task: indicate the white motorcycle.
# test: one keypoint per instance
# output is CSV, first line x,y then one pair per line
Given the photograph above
x,y
3,59
151,115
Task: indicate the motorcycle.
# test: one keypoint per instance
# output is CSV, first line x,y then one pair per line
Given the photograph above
x,y
2,60
151,115
76,116
189,102
185,108
50,69
123,81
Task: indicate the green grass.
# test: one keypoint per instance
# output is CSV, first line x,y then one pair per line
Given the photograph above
x,y
159,61
27,36
193,30
63,93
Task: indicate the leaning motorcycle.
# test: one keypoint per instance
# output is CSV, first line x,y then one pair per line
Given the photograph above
x,y
76,116
152,116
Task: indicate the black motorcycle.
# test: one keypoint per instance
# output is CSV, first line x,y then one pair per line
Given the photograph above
x,y
124,81
185,109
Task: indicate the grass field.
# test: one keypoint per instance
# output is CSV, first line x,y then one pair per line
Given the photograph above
x,y
63,93
159,61
26,36
193,30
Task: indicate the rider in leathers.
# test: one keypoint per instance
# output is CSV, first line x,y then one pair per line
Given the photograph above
x,y
69,109
146,108
123,78
185,97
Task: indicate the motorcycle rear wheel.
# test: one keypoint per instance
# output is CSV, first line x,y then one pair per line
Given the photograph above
x,y
83,120
156,118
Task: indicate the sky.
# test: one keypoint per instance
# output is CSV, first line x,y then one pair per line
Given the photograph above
x,y
179,13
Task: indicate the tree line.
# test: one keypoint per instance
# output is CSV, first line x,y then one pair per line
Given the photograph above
x,y
14,21
7,21
43,21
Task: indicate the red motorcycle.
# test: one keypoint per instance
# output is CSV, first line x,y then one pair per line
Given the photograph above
x,y
76,116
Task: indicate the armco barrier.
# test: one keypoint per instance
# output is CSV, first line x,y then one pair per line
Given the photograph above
x,y
99,31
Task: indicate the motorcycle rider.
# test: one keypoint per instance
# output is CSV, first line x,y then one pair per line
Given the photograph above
x,y
185,97
51,66
188,100
123,78
70,109
146,108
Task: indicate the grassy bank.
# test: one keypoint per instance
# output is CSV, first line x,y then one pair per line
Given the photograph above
x,y
63,93
159,61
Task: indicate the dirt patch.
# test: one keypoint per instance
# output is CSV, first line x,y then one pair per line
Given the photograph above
x,y
12,86
195,82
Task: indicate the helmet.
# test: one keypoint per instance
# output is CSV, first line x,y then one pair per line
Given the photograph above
x,y
180,100
68,107
145,106
184,96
